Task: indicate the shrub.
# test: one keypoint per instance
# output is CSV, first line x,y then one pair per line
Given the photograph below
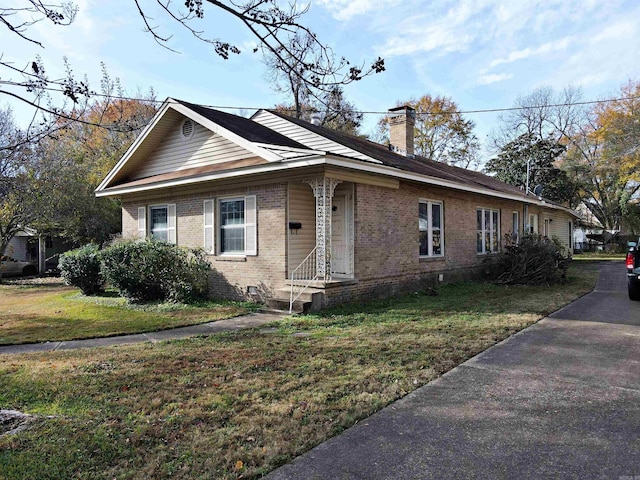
x,y
81,268
155,270
535,260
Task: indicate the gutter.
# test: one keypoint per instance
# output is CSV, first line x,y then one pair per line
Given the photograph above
x,y
321,158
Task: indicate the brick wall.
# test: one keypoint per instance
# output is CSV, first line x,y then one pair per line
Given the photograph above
x,y
386,244
230,276
386,247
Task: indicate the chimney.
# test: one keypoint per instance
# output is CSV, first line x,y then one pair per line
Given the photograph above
x,y
401,123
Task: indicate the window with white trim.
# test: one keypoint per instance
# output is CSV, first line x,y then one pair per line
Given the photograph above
x,y
488,230
533,223
237,226
430,228
515,227
162,222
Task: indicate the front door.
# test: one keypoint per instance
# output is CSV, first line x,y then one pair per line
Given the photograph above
x,y
339,253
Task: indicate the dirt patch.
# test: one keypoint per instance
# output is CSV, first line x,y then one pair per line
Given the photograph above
x,y
54,281
12,421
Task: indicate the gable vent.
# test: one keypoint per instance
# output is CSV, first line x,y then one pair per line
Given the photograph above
x,y
187,128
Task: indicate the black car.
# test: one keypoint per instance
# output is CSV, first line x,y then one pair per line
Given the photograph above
x,y
633,270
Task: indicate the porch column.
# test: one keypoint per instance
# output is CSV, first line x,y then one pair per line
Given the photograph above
x,y
323,189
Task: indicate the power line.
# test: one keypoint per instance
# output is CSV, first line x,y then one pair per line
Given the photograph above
x,y
363,112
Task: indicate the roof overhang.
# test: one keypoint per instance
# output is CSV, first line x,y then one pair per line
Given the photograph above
x,y
320,159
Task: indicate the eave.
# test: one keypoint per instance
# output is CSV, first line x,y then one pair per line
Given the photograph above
x,y
320,159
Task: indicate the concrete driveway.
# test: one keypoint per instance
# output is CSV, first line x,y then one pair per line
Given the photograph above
x,y
559,400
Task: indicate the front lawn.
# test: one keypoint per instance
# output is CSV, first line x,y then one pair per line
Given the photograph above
x,y
237,405
604,256
41,312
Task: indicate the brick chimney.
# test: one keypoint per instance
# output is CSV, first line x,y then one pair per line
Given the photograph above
x,y
401,123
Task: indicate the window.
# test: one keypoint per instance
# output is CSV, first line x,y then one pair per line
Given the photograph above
x,y
533,223
488,230
162,222
430,227
232,226
515,227
547,227
237,226
159,226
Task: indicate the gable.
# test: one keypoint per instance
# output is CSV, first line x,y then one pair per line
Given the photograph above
x,y
306,137
175,152
218,138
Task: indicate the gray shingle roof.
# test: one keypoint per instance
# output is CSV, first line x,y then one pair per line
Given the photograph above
x,y
419,165
248,129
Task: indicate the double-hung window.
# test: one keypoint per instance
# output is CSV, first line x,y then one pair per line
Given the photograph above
x,y
236,232
515,227
431,228
232,226
488,230
161,222
533,223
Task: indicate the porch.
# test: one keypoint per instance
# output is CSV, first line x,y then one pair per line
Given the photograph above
x,y
320,246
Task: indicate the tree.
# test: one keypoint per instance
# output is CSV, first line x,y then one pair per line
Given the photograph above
x,y
290,81
528,161
49,185
603,155
334,112
542,114
274,27
89,153
30,189
441,132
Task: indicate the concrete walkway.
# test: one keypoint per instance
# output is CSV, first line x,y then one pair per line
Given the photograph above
x,y
559,400
228,325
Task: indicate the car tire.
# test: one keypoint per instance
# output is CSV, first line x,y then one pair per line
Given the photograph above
x,y
29,271
634,291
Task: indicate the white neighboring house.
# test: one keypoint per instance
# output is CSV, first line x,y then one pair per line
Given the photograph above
x,y
25,247
19,246
587,225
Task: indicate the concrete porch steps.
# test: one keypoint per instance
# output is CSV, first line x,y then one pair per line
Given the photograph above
x,y
282,304
309,301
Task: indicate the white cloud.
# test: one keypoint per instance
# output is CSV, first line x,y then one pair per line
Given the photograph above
x,y
488,79
344,10
554,46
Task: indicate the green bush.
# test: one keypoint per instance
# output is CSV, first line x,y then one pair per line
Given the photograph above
x,y
81,268
155,270
534,260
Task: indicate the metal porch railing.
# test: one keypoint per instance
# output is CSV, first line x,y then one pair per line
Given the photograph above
x,y
302,276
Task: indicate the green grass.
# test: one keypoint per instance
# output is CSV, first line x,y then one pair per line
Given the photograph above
x,y
237,405
590,256
53,312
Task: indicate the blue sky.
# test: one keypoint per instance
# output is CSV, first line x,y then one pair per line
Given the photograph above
x,y
483,54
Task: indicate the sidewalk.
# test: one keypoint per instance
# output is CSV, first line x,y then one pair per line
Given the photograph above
x,y
228,325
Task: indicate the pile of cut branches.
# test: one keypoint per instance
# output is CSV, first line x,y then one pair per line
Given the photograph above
x,y
534,260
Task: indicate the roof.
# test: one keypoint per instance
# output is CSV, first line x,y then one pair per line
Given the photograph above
x,y
275,144
417,164
247,129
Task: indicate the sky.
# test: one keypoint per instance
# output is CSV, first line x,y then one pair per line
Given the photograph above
x,y
483,54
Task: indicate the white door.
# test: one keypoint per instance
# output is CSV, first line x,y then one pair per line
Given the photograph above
x,y
339,254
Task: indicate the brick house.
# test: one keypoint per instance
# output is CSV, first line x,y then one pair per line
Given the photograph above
x,y
279,203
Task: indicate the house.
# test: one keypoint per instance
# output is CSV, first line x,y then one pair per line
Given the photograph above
x,y
277,201
26,246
